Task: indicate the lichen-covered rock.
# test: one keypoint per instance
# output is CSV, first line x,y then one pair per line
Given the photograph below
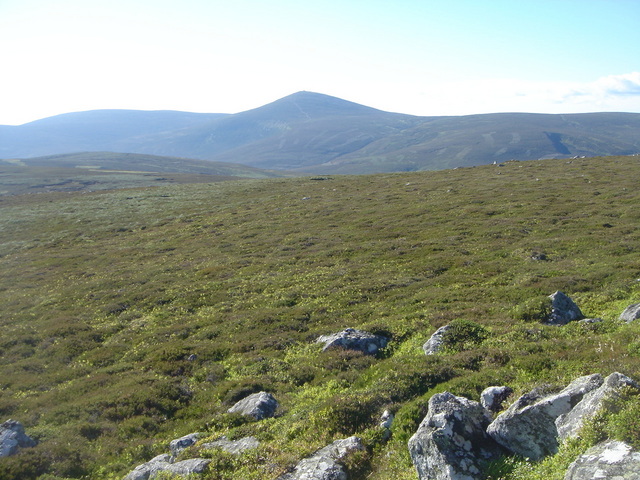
x,y
151,468
590,321
325,463
352,339
571,422
165,463
631,313
234,446
189,467
527,428
436,342
451,443
563,310
13,438
386,419
179,444
492,398
259,405
611,460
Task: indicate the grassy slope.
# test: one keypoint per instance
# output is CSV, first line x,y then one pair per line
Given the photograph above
x,y
90,171
106,295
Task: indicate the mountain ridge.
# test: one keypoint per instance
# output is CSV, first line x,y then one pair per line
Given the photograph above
x,y
315,133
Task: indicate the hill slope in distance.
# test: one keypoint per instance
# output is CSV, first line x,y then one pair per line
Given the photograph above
x,y
315,133
91,171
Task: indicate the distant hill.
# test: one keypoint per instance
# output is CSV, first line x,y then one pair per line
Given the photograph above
x,y
109,171
316,133
97,130
143,163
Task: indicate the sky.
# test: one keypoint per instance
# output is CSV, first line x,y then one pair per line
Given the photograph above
x,y
421,57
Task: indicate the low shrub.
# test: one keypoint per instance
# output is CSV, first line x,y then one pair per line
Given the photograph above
x,y
463,334
536,309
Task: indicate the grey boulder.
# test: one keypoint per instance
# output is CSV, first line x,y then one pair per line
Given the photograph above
x,y
492,398
563,310
179,444
259,405
451,443
165,463
235,447
435,344
527,428
13,438
325,463
631,313
571,422
352,339
612,460
189,467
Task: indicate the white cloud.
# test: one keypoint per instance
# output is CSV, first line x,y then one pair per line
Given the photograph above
x,y
627,84
610,93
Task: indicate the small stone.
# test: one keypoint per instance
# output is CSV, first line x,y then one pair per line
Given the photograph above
x,y
631,313
179,444
352,339
259,405
563,310
436,343
386,419
325,464
13,438
492,398
234,446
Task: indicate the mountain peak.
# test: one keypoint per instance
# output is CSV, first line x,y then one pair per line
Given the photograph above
x,y
313,105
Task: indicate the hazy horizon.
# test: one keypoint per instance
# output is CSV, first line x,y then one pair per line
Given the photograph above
x,y
426,58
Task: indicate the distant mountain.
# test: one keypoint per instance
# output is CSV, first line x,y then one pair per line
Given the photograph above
x,y
96,130
315,133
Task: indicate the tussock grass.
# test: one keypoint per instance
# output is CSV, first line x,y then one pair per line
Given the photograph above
x,y
107,295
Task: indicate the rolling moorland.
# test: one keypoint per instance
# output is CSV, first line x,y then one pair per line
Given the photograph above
x,y
313,133
134,316
92,171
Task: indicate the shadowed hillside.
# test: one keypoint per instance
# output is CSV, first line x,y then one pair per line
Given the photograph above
x,y
107,171
96,130
314,133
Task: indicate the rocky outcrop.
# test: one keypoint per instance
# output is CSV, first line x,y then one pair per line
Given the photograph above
x,y
492,398
436,343
325,463
607,460
179,444
235,447
352,339
13,438
571,422
259,405
527,428
631,313
451,442
165,463
563,310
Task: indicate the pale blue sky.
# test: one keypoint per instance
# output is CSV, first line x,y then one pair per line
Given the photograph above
x,y
429,57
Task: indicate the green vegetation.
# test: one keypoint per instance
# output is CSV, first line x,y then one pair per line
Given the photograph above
x,y
132,317
91,171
